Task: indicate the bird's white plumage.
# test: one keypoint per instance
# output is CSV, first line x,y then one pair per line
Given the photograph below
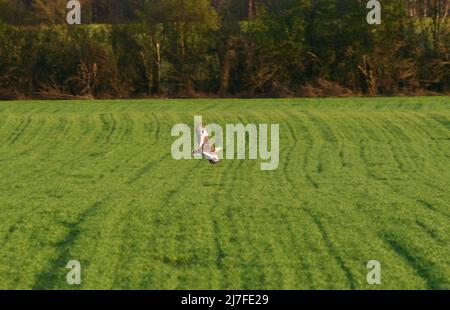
x,y
204,146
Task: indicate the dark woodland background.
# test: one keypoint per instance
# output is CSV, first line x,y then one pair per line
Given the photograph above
x,y
226,48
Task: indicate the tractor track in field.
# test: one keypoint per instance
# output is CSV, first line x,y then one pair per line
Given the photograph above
x,y
3,122
32,134
429,206
415,128
409,154
126,247
292,236
52,275
233,177
323,128
414,152
288,155
146,168
142,150
309,147
332,249
63,126
315,220
33,147
381,136
389,132
397,134
383,130
399,160
421,266
328,137
431,232
86,124
16,127
19,130
158,128
221,253
108,125
442,121
406,143
131,157
416,262
363,155
230,218
11,230
420,123
160,214
128,130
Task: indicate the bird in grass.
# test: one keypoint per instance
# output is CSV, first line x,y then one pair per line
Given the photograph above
x,y
205,148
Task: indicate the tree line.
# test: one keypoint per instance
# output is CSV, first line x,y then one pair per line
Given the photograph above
x,y
227,48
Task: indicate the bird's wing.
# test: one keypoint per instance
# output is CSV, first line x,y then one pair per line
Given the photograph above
x,y
211,156
201,135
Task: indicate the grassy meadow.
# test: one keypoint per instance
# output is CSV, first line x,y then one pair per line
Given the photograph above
x,y
358,180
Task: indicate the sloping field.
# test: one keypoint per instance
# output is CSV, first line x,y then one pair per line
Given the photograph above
x,y
359,180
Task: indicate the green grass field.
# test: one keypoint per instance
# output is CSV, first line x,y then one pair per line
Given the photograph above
x,y
359,180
